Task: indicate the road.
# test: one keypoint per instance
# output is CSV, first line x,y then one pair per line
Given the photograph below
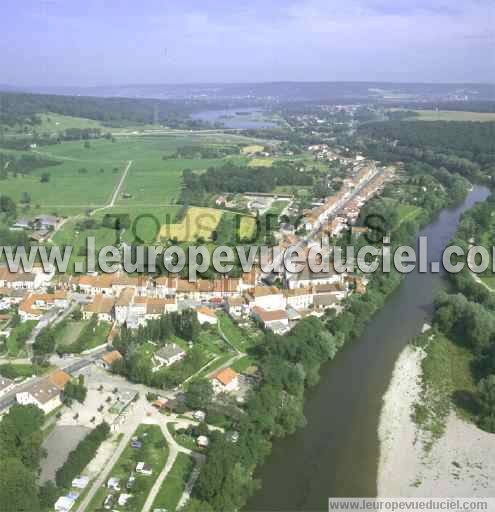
x,y
338,207
119,185
74,366
174,450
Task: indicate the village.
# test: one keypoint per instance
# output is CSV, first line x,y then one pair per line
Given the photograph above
x,y
224,308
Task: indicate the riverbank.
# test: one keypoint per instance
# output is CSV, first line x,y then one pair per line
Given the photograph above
x,y
461,463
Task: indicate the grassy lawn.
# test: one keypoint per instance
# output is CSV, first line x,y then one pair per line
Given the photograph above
x,y
14,371
182,439
277,207
221,360
244,364
69,332
409,212
174,485
447,382
489,280
233,333
153,452
90,335
17,339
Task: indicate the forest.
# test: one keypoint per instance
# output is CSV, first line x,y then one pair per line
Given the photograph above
x,y
16,108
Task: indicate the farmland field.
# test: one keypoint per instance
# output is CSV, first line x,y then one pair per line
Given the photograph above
x,y
197,223
261,162
252,148
451,115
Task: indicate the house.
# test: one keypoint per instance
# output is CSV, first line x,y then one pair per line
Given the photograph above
x,y
48,222
101,306
324,301
108,359
35,305
299,298
206,316
166,286
6,385
45,394
144,469
236,306
96,284
168,355
19,280
307,278
123,303
266,297
225,380
275,320
337,290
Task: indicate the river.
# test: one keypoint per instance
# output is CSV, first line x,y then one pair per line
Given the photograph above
x,y
337,453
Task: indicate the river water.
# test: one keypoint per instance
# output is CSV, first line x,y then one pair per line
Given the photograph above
x,y
337,453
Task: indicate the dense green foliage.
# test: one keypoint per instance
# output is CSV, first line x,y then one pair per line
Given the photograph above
x,y
468,317
136,365
20,455
230,178
23,107
475,140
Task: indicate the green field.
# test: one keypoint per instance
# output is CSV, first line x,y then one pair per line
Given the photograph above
x,y
153,452
451,115
75,184
170,492
239,338
408,212
447,383
87,177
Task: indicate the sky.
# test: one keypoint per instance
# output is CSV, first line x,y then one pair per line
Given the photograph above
x,y
114,42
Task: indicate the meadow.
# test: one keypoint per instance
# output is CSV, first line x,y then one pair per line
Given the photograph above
x,y
451,115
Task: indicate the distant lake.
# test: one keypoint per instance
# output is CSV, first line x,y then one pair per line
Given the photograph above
x,y
239,118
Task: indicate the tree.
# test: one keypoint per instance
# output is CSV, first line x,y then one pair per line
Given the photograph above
x,y
18,491
48,495
486,400
20,434
7,206
75,391
45,342
199,394
45,177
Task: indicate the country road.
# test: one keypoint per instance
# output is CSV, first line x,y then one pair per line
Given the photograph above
x,y
119,185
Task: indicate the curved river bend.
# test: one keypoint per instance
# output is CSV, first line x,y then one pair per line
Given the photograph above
x,y
337,453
